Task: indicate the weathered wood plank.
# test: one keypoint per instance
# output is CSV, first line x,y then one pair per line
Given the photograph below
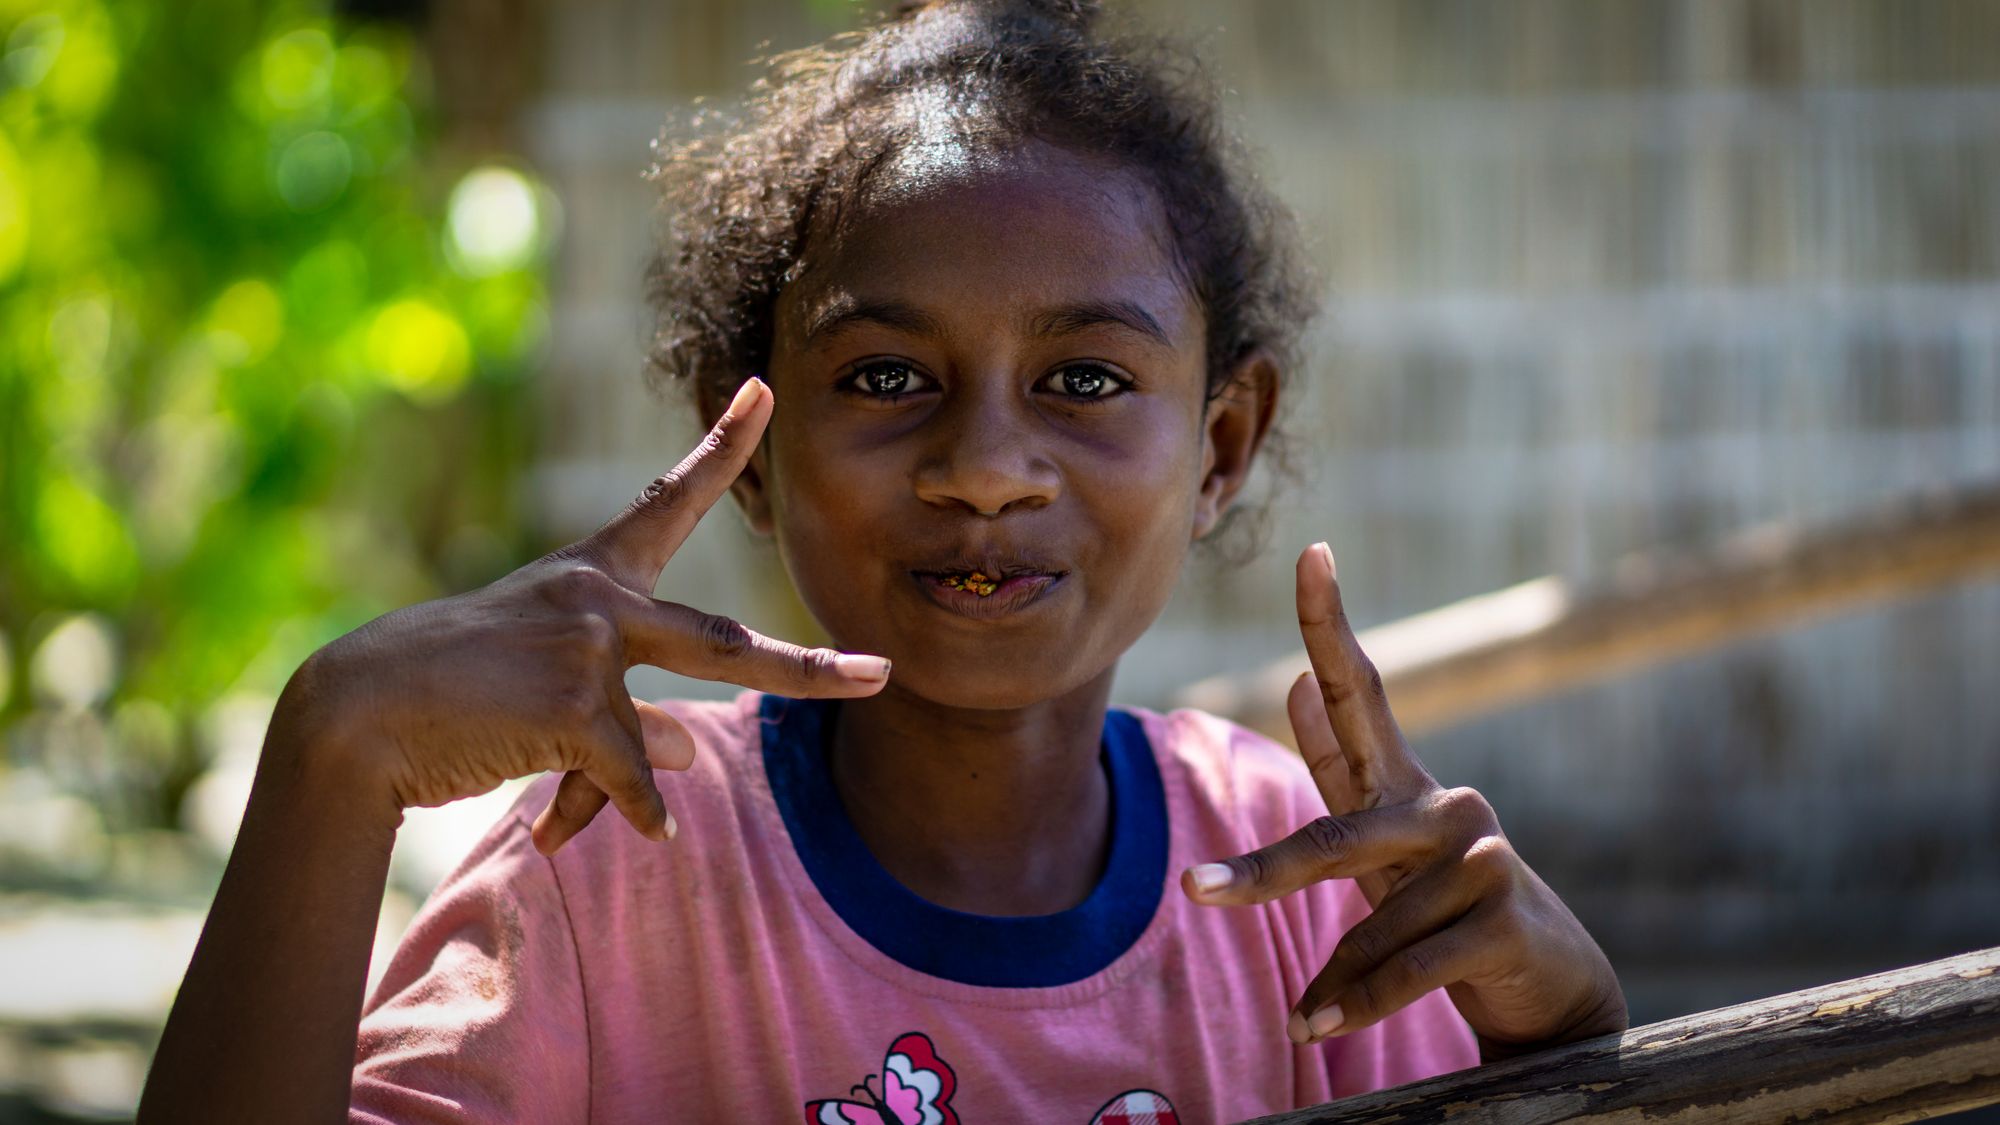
x,y
1898,1046
1489,652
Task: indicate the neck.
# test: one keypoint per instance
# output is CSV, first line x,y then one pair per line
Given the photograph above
x,y
1001,812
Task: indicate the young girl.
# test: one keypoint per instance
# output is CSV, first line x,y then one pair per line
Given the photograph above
x,y
990,330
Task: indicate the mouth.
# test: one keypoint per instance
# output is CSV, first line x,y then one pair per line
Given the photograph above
x,y
987,589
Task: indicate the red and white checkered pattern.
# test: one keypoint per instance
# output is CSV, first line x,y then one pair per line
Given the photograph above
x,y
1137,1107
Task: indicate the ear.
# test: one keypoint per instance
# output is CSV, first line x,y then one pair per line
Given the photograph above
x,y
1234,428
748,487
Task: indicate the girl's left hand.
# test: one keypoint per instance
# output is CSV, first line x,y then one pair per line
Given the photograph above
x,y
1454,906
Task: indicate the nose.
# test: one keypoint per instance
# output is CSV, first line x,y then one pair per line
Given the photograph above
x,y
984,455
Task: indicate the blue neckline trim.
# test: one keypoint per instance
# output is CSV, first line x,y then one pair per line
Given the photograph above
x,y
1037,951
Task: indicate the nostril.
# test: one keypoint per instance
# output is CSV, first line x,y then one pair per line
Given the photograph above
x,y
988,480
990,503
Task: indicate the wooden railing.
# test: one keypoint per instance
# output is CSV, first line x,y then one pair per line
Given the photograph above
x,y
1496,650
1898,1046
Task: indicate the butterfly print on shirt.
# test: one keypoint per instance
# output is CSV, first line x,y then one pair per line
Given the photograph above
x,y
917,1086
1136,1107
916,1090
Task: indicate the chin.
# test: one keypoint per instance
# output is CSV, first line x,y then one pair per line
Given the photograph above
x,y
991,679
980,687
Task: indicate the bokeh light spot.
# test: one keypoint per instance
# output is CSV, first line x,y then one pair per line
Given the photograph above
x,y
83,65
420,350
313,170
246,322
364,77
32,48
84,539
297,68
76,663
493,223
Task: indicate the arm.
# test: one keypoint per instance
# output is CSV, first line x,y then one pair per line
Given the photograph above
x,y
427,705
264,1026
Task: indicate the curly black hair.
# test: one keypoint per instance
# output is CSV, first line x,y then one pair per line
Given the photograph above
x,y
744,201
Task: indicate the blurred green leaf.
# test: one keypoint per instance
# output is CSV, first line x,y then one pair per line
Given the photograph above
x,y
260,355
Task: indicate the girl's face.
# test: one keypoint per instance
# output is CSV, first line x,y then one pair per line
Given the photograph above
x,y
992,445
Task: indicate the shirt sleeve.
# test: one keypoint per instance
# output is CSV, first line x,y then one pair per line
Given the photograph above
x,y
480,1016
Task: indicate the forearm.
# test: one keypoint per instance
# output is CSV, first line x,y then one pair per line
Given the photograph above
x,y
264,1026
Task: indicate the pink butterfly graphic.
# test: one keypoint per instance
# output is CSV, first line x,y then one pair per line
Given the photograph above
x,y
916,1090
1136,1107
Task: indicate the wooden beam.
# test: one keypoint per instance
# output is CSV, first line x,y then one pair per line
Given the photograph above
x,y
1541,637
1898,1046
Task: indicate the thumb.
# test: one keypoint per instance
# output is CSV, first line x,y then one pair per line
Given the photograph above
x,y
669,746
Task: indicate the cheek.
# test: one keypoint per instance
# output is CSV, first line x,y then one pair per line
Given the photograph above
x,y
1148,471
831,498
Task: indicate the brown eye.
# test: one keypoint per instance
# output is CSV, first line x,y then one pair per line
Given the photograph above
x,y
1084,380
886,379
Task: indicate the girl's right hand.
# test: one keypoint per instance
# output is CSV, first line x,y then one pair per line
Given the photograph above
x,y
450,698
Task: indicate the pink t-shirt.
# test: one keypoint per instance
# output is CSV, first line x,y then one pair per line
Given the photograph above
x,y
762,967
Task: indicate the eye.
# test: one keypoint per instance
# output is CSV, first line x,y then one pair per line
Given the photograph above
x,y
1085,381
884,378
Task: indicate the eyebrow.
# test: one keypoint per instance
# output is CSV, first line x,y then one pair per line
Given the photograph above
x,y
847,313
1096,314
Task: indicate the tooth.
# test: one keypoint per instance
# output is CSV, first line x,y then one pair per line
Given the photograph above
x,y
976,582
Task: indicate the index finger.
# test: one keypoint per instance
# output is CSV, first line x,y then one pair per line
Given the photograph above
x,y
1380,763
712,647
635,544
1329,847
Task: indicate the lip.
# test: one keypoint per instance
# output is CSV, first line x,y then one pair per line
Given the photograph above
x,y
1015,593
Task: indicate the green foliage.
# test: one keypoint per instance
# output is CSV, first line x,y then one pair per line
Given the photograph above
x,y
259,360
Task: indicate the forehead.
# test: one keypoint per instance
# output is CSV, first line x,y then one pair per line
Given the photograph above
x,y
971,236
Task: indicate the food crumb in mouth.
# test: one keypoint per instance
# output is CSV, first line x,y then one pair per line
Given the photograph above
x,y
975,582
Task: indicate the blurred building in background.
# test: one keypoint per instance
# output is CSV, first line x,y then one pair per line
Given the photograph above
x,y
1600,278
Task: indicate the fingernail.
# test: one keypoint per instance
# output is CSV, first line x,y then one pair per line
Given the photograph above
x,y
671,826
1326,556
857,667
1210,876
1295,1029
1326,1021
752,389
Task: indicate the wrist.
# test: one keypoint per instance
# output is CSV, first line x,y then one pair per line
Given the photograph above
x,y
1606,1016
316,744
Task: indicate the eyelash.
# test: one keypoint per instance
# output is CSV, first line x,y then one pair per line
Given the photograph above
x,y
850,383
1118,384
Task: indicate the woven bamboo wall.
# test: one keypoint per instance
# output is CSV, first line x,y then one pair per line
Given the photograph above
x,y
1600,277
